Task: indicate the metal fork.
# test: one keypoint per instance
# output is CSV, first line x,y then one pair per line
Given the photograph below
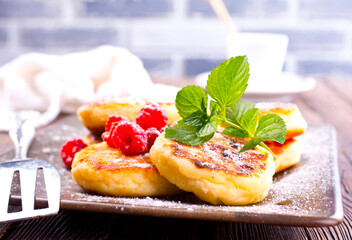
x,y
22,132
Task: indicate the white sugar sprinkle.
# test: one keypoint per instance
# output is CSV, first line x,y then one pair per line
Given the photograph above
x,y
302,190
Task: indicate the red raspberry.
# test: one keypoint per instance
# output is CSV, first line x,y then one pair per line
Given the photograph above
x,y
152,115
129,137
70,148
152,134
114,118
106,136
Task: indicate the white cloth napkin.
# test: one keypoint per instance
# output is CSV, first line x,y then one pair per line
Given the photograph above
x,y
52,84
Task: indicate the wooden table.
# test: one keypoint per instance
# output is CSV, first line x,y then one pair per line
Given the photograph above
x,y
329,103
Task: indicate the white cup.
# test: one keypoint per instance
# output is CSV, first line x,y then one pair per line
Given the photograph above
x,y
265,51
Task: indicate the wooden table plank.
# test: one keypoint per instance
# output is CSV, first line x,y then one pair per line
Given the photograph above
x,y
331,107
331,104
342,87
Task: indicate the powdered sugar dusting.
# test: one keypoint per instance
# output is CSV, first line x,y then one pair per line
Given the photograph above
x,y
307,189
300,191
141,165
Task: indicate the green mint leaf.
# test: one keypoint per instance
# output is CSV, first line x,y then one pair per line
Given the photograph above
x,y
186,134
214,107
249,120
245,116
209,128
271,127
236,132
251,144
216,111
262,144
197,118
236,111
191,99
206,130
228,81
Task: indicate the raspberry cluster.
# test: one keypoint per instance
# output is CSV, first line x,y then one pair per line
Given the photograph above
x,y
135,137
69,149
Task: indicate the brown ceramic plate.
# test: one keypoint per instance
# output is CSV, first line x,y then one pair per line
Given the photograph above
x,y
307,194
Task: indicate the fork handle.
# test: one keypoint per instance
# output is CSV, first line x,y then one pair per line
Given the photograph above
x,y
22,133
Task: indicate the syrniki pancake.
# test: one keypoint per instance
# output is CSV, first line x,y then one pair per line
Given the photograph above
x,y
289,112
287,154
104,170
94,115
215,171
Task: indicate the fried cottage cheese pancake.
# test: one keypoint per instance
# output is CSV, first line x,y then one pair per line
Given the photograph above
x,y
94,115
287,154
215,171
104,170
289,112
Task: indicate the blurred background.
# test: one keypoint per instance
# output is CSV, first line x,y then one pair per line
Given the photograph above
x,y
180,37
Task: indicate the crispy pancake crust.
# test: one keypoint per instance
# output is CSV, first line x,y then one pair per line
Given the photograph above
x,y
105,170
94,115
289,112
215,171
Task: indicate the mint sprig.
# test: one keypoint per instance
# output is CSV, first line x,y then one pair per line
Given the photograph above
x,y
226,85
228,81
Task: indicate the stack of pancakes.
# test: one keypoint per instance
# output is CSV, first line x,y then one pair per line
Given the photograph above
x,y
215,171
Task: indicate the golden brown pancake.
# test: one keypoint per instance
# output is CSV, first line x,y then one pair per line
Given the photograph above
x,y
104,170
94,115
215,171
287,154
289,112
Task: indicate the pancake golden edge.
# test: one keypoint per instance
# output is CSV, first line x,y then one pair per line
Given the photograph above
x,y
215,171
289,112
94,115
101,169
287,154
